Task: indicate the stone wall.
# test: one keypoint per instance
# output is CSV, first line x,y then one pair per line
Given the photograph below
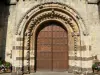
x,y
15,12
94,29
10,32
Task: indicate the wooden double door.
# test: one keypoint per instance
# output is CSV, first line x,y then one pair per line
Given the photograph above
x,y
52,48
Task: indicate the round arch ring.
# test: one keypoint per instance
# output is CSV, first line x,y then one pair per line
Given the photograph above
x,y
47,12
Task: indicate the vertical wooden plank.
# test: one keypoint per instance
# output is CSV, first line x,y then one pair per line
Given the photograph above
x,y
44,49
60,50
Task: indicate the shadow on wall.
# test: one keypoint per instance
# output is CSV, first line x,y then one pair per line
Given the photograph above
x,y
99,9
4,14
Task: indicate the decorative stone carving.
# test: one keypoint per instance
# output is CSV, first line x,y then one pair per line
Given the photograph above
x,y
28,52
50,15
43,1
57,5
44,13
75,34
54,15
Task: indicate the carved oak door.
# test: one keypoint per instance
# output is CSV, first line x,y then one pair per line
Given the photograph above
x,y
52,48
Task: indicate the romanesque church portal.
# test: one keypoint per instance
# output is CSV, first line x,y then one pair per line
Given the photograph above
x,y
50,35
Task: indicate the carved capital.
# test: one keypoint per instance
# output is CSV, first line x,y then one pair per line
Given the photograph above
x,y
75,34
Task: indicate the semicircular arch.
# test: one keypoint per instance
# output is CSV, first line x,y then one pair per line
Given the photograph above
x,y
37,12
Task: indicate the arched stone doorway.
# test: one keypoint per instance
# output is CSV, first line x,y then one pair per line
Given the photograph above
x,y
51,47
25,37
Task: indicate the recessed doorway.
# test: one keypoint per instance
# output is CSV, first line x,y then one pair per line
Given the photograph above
x,y
51,47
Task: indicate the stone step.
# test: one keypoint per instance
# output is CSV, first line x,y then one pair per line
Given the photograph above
x,y
50,73
44,73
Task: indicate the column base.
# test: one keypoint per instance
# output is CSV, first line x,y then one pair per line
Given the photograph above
x,y
17,73
32,70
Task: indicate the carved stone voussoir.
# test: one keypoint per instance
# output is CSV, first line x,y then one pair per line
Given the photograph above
x,y
52,7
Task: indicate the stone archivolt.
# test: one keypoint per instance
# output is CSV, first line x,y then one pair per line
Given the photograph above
x,y
47,14
44,8
51,12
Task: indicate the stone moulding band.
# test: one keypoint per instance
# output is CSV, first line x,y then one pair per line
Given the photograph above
x,y
40,7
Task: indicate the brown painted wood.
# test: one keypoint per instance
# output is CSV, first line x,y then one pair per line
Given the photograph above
x,y
52,48
60,51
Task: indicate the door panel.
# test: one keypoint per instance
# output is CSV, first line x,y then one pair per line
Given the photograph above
x,y
44,61
59,49
52,48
